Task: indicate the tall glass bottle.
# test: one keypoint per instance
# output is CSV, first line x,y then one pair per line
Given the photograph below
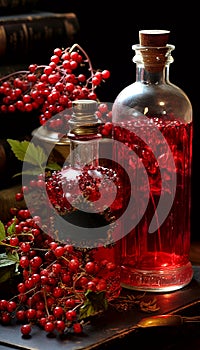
x,y
153,121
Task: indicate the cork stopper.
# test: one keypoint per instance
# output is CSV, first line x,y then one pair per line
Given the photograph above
x,y
154,49
154,38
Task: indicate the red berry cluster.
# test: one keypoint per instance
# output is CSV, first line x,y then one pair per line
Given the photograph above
x,y
50,89
55,280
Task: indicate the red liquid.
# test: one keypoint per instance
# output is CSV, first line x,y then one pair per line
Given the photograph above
x,y
156,261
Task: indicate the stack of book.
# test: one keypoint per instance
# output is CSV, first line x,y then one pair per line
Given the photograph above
x,y
28,37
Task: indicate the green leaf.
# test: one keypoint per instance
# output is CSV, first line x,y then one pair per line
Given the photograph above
x,y
35,155
96,303
19,148
27,151
7,266
11,228
2,231
7,259
14,257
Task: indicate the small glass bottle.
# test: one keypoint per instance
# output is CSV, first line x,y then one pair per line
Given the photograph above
x,y
152,119
84,194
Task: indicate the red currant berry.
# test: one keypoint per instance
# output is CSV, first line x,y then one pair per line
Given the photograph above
x,y
71,315
5,318
14,241
59,251
49,327
26,329
60,326
77,328
105,74
19,196
58,311
90,267
11,306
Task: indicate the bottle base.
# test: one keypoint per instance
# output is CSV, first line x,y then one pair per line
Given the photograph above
x,y
167,280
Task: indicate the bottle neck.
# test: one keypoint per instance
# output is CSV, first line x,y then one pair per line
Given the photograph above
x,y
147,77
152,64
84,134
84,150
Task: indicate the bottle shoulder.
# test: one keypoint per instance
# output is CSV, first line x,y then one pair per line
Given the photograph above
x,y
156,99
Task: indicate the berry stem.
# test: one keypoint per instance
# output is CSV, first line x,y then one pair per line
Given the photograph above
x,y
88,61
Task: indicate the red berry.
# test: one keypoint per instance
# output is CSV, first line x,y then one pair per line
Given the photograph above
x,y
31,313
96,80
92,96
21,315
90,267
91,286
71,315
32,68
59,251
81,77
103,108
49,327
102,285
26,329
19,196
78,328
11,306
24,262
56,268
58,52
58,311
73,265
14,241
105,74
73,64
5,318
60,326
58,292
70,303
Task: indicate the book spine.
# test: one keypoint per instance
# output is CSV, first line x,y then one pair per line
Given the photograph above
x,y
36,38
35,16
